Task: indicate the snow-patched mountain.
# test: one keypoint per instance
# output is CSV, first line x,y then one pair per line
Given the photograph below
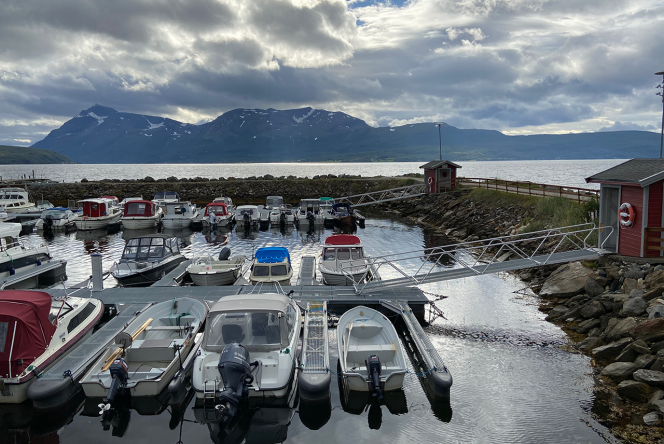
x,y
103,135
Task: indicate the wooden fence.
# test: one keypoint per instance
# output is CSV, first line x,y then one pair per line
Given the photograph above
x,y
530,188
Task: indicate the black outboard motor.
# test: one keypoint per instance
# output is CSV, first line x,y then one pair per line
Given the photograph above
x,y
120,376
48,223
235,371
373,369
282,219
246,218
224,254
311,218
109,415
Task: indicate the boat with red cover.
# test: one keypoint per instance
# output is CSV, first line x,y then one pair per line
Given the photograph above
x,y
342,261
35,332
98,213
221,214
140,214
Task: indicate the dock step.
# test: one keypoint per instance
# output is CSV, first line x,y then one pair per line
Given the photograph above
x,y
314,380
439,377
60,382
308,271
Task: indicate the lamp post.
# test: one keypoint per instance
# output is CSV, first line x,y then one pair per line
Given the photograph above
x,y
661,137
440,141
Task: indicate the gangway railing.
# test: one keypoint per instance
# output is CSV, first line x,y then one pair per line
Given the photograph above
x,y
382,196
480,257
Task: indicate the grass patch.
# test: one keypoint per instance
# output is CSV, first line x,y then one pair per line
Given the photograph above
x,y
502,199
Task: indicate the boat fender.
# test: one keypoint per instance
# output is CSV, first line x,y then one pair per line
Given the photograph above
x,y
224,254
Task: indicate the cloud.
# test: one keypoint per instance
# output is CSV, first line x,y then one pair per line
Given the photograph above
x,y
627,126
519,66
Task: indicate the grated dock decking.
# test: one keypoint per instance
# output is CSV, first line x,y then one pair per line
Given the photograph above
x,y
79,359
315,355
308,271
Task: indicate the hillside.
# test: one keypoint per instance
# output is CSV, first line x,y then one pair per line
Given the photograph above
x,y
103,135
13,155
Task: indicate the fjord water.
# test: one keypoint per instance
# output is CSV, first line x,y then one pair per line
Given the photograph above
x,y
555,172
514,381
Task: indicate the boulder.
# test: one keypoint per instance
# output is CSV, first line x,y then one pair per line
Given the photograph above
x,y
619,370
635,274
640,347
590,343
655,311
617,328
634,306
634,390
644,361
651,419
568,280
621,297
556,312
635,294
595,332
627,355
656,395
587,325
655,293
659,405
612,350
593,288
655,278
593,310
658,365
650,377
649,331
629,285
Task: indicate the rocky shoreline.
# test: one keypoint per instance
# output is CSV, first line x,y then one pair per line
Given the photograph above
x,y
612,310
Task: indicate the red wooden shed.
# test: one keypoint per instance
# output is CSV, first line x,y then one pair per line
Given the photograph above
x,y
440,175
632,202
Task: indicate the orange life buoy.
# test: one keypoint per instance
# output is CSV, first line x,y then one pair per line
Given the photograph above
x,y
430,181
627,215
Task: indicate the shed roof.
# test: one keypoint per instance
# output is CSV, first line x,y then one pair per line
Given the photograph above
x,y
437,163
637,171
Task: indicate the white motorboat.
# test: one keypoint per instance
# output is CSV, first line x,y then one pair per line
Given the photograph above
x,y
206,271
228,201
127,199
342,261
15,256
98,213
370,354
282,215
249,351
222,216
179,214
326,208
248,215
140,214
166,197
271,264
148,352
15,200
146,259
272,203
57,219
36,331
310,212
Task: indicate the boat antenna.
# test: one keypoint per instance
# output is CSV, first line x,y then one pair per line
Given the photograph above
x,y
62,279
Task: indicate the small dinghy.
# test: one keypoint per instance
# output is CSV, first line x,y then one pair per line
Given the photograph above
x,y
206,272
370,354
148,353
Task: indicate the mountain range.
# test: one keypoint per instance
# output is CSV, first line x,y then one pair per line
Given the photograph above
x,y
103,135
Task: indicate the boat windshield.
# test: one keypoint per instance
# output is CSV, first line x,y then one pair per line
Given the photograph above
x,y
52,213
279,270
257,330
166,195
146,249
343,254
356,253
329,254
261,270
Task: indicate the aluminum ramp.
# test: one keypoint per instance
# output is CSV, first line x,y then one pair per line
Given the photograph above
x,y
314,379
76,362
378,197
307,275
437,374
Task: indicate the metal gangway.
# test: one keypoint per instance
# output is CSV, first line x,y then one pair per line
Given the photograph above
x,y
315,376
506,253
377,197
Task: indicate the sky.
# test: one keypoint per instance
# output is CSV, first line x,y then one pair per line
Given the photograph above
x,y
517,66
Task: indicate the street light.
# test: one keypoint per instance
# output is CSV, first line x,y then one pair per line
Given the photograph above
x,y
661,137
440,141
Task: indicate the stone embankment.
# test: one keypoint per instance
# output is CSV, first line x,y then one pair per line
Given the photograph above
x,y
201,191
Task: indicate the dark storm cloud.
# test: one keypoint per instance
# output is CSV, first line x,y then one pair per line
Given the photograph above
x,y
514,65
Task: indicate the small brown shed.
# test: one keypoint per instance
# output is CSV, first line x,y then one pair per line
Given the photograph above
x,y
440,175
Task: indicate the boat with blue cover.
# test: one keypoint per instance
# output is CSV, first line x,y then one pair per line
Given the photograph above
x,y
271,264
56,218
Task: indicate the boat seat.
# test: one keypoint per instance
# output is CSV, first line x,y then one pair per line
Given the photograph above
x,y
166,327
232,333
151,350
359,353
173,319
366,329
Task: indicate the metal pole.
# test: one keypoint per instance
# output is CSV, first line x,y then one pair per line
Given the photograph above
x,y
440,141
97,275
661,93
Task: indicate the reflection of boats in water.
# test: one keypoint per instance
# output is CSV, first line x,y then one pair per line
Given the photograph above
x,y
266,425
282,230
315,415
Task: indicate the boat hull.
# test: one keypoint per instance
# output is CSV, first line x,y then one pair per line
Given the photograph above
x,y
215,279
330,278
139,223
176,223
146,277
23,263
95,223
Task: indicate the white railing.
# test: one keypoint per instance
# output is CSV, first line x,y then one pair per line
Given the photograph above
x,y
375,197
482,256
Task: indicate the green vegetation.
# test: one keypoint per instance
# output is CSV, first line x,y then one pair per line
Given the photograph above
x,y
14,155
502,199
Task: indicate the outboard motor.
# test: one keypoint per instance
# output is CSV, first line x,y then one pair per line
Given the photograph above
x,y
224,254
373,369
120,376
109,415
235,371
48,223
282,219
311,218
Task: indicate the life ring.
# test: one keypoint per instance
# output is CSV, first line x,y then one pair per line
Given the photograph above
x,y
430,181
627,215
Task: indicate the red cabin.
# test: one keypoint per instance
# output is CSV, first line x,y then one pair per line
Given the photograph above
x,y
218,208
140,208
631,201
440,175
93,207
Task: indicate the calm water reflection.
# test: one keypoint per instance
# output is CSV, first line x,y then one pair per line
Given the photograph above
x,y
512,381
